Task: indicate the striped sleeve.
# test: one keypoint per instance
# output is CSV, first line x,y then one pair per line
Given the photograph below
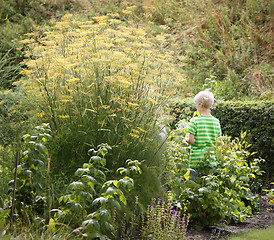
x,y
192,127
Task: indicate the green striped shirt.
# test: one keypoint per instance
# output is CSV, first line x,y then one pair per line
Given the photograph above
x,y
205,130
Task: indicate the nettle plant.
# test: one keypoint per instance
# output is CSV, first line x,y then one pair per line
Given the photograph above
x,y
94,201
223,193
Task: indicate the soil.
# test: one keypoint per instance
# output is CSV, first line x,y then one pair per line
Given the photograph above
x,y
260,220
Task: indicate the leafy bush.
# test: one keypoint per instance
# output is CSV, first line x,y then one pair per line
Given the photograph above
x,y
95,201
219,194
255,119
3,216
30,198
270,196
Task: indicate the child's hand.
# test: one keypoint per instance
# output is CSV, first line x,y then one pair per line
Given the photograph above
x,y
189,138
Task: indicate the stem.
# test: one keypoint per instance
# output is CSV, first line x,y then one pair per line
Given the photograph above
x,y
49,200
14,188
3,172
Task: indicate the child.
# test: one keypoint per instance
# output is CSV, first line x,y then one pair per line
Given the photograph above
x,y
203,131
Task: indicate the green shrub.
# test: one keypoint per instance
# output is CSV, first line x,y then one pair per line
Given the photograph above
x,y
94,201
30,197
218,194
253,117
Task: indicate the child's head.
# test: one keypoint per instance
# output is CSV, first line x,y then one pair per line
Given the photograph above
x,y
204,97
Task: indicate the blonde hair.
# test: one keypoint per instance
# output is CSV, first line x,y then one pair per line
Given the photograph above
x,y
204,97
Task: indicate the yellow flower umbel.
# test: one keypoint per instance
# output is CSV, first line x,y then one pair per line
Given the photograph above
x,y
101,75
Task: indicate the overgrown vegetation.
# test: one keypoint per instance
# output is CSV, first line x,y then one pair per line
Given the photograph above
x,y
102,75
100,81
220,194
228,40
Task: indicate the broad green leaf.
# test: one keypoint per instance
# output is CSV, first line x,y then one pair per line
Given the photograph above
x,y
104,214
244,179
25,137
37,186
107,225
203,190
76,185
100,200
33,138
110,191
127,183
134,169
114,182
122,170
89,178
123,199
52,225
41,148
11,183
36,162
66,198
81,171
25,173
97,173
77,207
114,203
4,213
91,185
91,225
98,160
92,215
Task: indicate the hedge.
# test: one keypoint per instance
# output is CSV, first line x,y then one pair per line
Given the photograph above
x,y
254,117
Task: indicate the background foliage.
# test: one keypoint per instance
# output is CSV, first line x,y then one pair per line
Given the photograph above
x,y
230,40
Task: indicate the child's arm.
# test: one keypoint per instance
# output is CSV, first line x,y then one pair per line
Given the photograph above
x,y
189,138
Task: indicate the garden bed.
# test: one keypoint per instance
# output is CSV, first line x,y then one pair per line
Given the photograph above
x,y
260,220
